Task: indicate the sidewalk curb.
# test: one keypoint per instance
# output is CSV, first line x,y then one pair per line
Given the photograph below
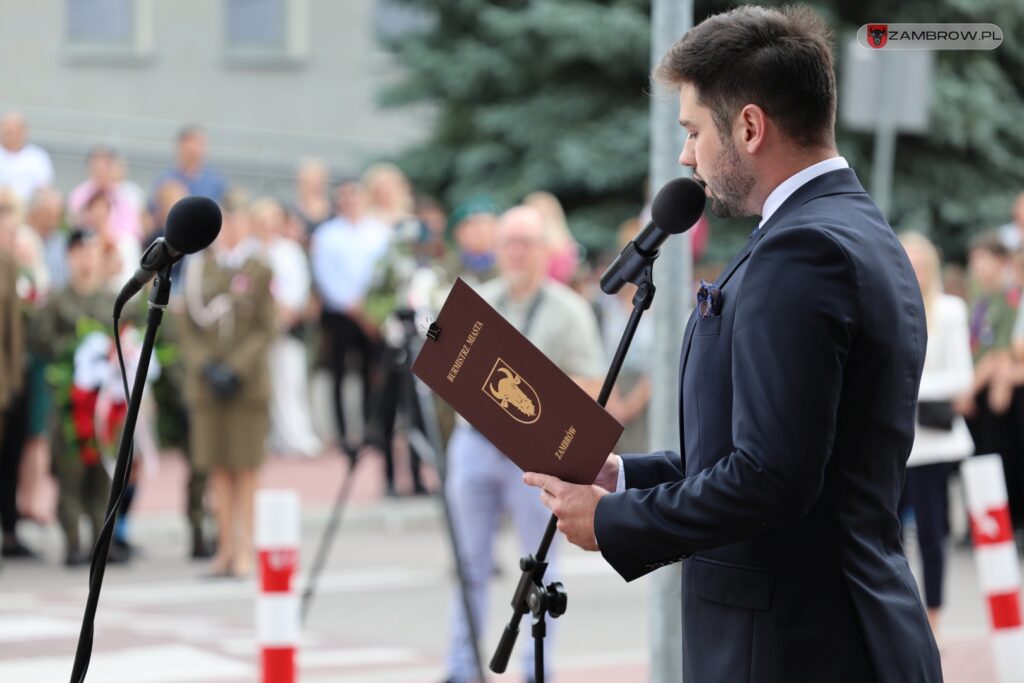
x,y
388,515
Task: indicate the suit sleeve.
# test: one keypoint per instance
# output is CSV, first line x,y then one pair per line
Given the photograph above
x,y
796,314
646,470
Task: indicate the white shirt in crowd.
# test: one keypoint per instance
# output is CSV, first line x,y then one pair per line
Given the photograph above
x,y
948,373
344,256
292,281
794,182
1009,235
26,170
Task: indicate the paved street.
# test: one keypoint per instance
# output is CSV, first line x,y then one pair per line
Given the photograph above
x,y
380,616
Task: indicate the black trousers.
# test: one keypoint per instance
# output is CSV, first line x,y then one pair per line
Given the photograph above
x,y
393,393
1013,459
345,339
926,491
1003,434
13,435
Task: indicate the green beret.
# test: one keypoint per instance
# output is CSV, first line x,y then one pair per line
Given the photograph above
x,y
472,206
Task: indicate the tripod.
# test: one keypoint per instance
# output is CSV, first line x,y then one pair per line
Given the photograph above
x,y
416,410
531,594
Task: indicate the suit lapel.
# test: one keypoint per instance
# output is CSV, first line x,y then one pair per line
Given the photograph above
x,y
843,181
722,279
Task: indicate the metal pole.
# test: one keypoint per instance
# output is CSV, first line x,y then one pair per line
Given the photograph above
x,y
884,156
670,19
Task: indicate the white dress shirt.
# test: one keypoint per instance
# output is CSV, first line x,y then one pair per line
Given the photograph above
x,y
795,182
344,256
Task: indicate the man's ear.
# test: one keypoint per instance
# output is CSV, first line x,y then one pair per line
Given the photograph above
x,y
751,128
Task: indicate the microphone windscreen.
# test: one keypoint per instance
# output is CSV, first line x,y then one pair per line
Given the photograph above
x,y
678,205
193,223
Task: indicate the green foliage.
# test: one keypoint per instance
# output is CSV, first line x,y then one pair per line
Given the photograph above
x,y
552,94
960,178
545,94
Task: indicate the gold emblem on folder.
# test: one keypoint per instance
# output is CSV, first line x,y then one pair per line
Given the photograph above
x,y
512,393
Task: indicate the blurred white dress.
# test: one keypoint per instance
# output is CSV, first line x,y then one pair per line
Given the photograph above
x,y
291,424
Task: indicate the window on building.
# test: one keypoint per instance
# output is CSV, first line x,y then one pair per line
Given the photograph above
x,y
266,32
101,23
108,31
257,24
394,20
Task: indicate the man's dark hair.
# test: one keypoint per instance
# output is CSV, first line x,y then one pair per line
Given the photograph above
x,y
189,130
780,60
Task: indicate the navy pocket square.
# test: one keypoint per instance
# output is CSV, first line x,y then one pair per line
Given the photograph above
x,y
709,300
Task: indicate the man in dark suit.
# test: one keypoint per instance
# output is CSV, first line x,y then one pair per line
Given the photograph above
x,y
799,376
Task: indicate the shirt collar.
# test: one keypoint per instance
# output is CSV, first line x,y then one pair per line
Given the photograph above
x,y
794,182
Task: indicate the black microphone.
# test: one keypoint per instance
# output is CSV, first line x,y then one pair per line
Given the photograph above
x,y
193,223
676,208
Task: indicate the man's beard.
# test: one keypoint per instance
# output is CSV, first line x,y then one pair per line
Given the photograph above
x,y
732,185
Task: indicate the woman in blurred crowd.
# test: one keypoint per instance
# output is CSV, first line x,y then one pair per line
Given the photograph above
x,y
565,252
227,335
12,375
121,251
311,197
291,425
389,194
942,437
105,169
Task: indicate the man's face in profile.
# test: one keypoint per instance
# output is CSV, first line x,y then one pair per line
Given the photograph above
x,y
726,175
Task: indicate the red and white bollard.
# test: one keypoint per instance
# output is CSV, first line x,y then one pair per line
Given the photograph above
x,y
278,525
995,556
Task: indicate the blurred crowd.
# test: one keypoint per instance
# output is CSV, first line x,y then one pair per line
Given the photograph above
x,y
334,282
337,281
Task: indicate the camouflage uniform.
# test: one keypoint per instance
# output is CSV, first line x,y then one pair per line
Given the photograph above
x,y
12,347
12,373
55,332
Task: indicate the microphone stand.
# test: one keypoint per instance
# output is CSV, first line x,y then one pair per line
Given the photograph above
x,y
531,594
157,304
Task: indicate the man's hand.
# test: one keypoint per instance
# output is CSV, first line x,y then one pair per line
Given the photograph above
x,y
574,506
1000,394
965,405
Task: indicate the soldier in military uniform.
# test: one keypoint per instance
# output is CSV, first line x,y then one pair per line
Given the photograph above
x,y
227,332
74,320
11,343
173,425
11,367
